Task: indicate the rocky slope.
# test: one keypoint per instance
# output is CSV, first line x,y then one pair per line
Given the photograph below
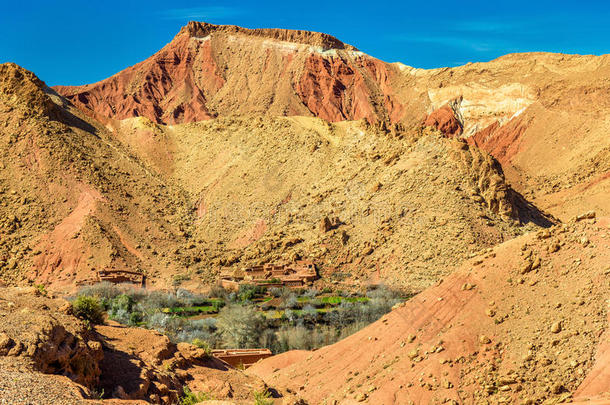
x,y
72,199
179,202
543,116
367,205
524,322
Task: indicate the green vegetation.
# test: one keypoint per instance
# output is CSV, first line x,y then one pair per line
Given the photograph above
x,y
202,344
190,398
88,309
279,319
262,398
41,289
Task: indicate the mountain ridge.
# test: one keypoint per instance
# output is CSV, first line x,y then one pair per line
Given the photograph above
x,y
325,41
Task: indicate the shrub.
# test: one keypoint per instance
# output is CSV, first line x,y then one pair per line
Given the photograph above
x,y
202,344
310,313
290,301
122,302
218,291
311,293
103,290
262,398
89,309
190,398
41,289
247,292
276,291
239,326
160,299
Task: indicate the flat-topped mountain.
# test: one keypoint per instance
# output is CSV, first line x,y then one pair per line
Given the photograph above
x,y
208,71
318,39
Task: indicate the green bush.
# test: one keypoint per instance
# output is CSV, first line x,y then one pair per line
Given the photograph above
x,y
247,292
122,302
190,398
41,289
202,344
89,309
262,398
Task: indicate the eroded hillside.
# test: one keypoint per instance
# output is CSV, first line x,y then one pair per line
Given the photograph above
x,y
543,116
178,203
365,204
73,201
208,71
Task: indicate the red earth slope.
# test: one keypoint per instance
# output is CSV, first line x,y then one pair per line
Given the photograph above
x,y
526,322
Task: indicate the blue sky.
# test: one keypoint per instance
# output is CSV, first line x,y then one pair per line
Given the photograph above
x,y
76,42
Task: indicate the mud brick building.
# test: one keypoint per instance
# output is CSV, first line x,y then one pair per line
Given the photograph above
x,y
296,274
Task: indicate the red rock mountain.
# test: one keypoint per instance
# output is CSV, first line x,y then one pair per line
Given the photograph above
x,y
209,70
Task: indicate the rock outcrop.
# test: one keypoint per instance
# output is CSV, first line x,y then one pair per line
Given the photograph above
x,y
444,120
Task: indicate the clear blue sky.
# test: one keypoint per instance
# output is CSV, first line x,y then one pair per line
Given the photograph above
x,y
76,42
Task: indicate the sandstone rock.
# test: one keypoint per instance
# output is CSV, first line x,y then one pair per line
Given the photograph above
x,y
554,247
587,215
484,340
526,267
536,263
325,225
367,251
444,120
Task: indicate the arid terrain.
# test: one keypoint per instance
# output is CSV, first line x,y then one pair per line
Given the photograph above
x,y
483,189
